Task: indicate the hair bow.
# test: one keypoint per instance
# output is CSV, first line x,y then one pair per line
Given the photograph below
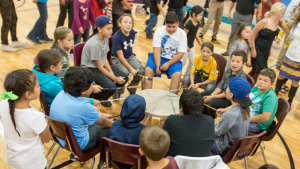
x,y
9,95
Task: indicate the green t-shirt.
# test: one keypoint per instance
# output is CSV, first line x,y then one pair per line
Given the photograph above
x,y
263,102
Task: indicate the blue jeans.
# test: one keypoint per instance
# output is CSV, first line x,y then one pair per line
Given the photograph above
x,y
152,21
39,29
198,79
214,148
85,35
179,13
254,128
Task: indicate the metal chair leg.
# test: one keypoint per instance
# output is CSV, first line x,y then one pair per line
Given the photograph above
x,y
52,159
245,160
50,149
263,145
263,153
93,162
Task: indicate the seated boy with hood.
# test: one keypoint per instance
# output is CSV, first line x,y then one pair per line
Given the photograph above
x,y
128,129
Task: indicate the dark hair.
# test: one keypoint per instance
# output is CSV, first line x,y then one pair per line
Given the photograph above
x,y
238,35
77,80
268,166
191,101
269,73
154,142
240,53
209,45
195,10
19,82
171,18
46,58
60,33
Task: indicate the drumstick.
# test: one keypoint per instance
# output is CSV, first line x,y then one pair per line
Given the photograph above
x,y
114,116
120,88
211,107
113,100
179,89
145,77
149,116
172,104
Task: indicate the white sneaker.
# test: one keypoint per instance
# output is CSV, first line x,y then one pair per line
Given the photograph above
x,y
18,44
6,48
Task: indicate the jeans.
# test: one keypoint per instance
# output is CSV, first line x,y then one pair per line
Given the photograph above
x,y
254,128
63,14
179,13
96,132
199,79
39,29
152,21
9,21
115,18
214,148
85,35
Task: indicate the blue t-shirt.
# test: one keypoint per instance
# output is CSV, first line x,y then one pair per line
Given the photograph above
x,y
122,42
78,112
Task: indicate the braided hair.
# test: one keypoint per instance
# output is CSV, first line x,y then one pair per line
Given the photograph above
x,y
19,82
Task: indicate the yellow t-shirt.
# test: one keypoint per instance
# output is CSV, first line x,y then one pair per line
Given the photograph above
x,y
208,71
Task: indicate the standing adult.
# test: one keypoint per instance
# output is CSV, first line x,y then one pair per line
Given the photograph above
x,y
65,6
243,14
177,6
38,34
117,11
9,24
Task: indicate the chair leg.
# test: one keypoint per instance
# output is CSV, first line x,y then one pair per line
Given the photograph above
x,y
263,153
50,149
93,162
245,160
263,144
52,159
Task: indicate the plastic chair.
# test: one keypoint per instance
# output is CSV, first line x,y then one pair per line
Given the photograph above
x,y
213,162
222,61
63,131
250,80
243,147
122,153
109,53
77,52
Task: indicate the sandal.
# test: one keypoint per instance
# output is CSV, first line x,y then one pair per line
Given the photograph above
x,y
282,90
286,88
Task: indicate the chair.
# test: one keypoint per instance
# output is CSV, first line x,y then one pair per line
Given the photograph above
x,y
213,162
122,153
222,61
250,80
243,147
109,53
77,51
63,131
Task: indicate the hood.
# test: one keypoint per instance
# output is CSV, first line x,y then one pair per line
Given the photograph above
x,y
133,110
44,78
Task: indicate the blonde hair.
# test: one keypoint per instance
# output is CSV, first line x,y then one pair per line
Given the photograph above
x,y
60,33
277,7
126,14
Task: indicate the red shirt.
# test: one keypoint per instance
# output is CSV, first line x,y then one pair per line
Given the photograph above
x,y
266,9
96,10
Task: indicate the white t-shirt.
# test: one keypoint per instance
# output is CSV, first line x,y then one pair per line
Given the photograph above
x,y
26,151
170,44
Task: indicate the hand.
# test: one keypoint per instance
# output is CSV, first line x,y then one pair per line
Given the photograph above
x,y
229,16
35,1
163,5
188,49
96,102
158,71
221,111
81,30
192,86
62,2
253,53
165,67
96,88
133,71
207,10
249,62
97,109
120,80
207,99
130,8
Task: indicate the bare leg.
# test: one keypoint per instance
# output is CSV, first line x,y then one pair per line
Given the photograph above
x,y
148,73
175,81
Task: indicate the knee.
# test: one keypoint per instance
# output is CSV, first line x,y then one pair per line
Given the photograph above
x,y
149,72
141,70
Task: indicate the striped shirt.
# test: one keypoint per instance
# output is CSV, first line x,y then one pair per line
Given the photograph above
x,y
291,9
130,3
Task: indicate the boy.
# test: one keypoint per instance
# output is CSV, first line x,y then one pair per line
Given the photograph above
x,y
87,122
154,143
128,129
169,45
217,99
155,9
265,102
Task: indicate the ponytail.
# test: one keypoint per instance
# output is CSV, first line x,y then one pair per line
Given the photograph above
x,y
95,31
245,110
187,16
277,7
60,33
195,10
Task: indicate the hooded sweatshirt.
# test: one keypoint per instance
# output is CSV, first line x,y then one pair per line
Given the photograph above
x,y
50,84
128,129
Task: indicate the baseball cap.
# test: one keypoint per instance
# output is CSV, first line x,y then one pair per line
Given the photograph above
x,y
241,89
102,20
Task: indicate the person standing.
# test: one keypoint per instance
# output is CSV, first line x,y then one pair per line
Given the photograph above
x,y
9,24
117,11
65,6
265,7
243,14
177,6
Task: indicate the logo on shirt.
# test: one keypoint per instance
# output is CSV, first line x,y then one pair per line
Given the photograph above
x,y
126,44
215,72
169,47
193,65
85,11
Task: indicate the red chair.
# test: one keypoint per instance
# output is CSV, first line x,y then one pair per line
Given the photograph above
x,y
62,130
77,52
44,104
250,80
222,61
243,147
122,153
109,53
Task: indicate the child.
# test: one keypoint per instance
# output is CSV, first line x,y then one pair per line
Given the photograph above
x,y
128,129
25,129
191,27
155,10
83,13
235,119
265,102
241,42
117,11
63,42
204,70
94,57
216,99
65,6
154,143
169,45
122,56
130,3
267,30
87,122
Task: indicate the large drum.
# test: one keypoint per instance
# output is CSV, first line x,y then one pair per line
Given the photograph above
x,y
161,101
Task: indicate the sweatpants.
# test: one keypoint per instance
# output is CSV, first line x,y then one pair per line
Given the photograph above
x,y
9,21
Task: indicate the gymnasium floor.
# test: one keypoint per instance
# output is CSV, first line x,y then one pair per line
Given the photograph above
x,y
23,59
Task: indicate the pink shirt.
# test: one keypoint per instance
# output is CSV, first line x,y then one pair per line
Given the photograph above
x,y
83,13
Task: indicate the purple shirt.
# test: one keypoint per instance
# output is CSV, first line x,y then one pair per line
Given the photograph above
x,y
83,13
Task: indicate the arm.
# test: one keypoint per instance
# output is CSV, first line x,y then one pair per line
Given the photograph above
x,y
261,118
230,9
161,10
199,40
290,10
259,26
104,121
226,122
45,135
124,3
285,29
91,13
205,82
76,17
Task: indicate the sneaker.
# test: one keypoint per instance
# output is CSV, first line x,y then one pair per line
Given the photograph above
x,y
150,36
225,53
6,48
73,157
106,104
215,40
18,44
145,23
71,57
201,36
34,40
46,40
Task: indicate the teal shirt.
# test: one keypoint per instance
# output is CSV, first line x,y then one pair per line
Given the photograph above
x,y
263,102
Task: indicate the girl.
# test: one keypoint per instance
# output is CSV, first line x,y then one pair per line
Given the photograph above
x,y
63,42
241,42
191,27
267,30
204,70
25,129
122,56
235,120
290,68
94,57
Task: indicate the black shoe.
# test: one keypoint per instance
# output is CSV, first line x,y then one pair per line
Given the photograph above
x,y
215,40
106,104
201,36
34,40
225,53
150,36
292,94
278,85
73,157
46,40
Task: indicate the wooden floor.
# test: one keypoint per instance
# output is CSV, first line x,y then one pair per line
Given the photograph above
x,y
27,16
